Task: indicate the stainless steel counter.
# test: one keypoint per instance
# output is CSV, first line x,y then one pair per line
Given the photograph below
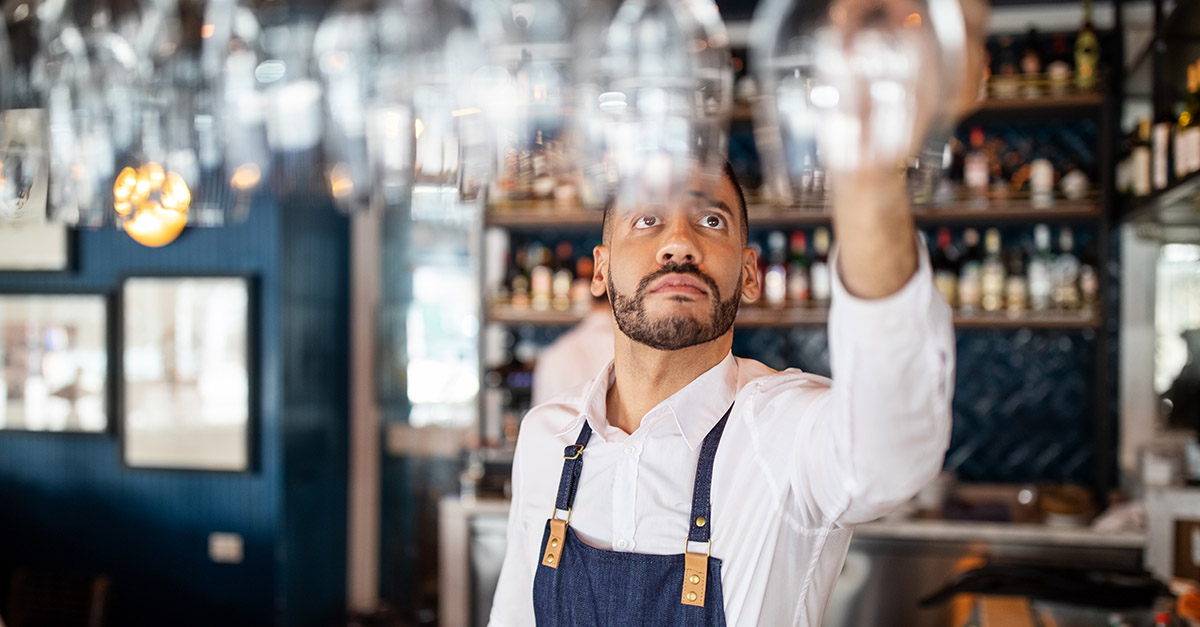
x,y
892,563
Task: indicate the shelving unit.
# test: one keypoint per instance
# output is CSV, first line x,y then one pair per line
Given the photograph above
x,y
751,316
536,215
527,219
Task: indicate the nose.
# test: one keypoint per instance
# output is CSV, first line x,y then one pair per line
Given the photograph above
x,y
679,244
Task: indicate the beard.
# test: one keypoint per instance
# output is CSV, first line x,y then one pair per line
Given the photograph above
x,y
673,332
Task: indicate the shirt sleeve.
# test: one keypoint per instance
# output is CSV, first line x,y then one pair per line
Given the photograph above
x,y
513,604
882,431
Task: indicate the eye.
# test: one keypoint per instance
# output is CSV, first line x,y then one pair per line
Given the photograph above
x,y
645,222
713,221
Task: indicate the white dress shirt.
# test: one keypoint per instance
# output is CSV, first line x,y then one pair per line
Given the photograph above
x,y
576,357
802,460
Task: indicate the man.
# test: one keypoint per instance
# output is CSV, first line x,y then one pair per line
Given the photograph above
x,y
717,491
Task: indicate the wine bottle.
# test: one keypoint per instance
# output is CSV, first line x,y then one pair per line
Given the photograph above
x,y
1040,271
969,287
1060,69
1031,66
1142,160
1087,51
992,273
945,267
775,279
820,281
797,273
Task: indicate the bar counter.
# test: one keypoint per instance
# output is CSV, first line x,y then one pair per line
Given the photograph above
x,y
891,565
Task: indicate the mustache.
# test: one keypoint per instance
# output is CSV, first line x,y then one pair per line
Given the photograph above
x,y
679,268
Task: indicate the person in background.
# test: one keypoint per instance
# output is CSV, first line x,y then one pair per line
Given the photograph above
x,y
717,491
577,355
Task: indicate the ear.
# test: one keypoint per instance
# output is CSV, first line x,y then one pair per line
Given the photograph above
x,y
599,271
751,288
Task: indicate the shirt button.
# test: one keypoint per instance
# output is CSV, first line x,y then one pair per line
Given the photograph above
x,y
622,544
630,451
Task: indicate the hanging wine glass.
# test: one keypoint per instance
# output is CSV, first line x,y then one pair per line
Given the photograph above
x,y
395,76
187,101
92,90
526,86
291,97
853,84
354,68
655,91
22,141
235,47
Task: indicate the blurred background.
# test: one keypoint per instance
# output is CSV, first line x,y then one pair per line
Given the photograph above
x,y
279,279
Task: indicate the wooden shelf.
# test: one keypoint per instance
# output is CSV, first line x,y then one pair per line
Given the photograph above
x,y
1073,100
810,316
530,216
1047,104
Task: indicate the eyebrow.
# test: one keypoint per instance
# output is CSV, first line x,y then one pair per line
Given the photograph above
x,y
719,204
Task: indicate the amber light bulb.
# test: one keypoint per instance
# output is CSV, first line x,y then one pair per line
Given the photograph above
x,y
153,204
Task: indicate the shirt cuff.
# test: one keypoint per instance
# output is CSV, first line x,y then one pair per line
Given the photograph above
x,y
885,320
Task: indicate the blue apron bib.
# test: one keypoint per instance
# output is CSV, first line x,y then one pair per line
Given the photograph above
x,y
578,585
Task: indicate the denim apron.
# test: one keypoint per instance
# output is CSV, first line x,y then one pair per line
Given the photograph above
x,y
578,585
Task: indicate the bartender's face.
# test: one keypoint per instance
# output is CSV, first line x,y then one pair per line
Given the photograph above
x,y
676,274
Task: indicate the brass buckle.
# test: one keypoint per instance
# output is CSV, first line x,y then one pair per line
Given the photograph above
x,y
554,514
578,451
687,541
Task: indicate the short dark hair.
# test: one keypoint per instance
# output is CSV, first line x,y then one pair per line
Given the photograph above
x,y
727,170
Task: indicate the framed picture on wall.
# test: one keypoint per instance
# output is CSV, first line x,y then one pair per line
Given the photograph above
x,y
28,240
187,372
54,374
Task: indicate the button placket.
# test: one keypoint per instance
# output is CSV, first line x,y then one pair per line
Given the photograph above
x,y
624,509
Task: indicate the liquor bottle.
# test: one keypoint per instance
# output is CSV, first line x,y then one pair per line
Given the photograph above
x,y
969,285
560,286
1187,138
1041,183
519,280
1031,66
775,280
819,280
1089,286
1066,272
1162,172
992,273
976,171
1142,160
797,273
1041,271
1181,148
541,278
1087,51
1016,286
1059,69
945,267
1006,79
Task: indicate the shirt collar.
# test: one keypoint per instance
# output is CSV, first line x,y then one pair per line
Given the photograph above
x,y
695,409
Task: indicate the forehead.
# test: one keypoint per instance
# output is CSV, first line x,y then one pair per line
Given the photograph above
x,y
699,191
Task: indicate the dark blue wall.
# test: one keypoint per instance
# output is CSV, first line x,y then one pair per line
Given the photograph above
x,y
68,503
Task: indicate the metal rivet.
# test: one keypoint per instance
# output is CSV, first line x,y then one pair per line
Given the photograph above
x,y
550,559
554,543
700,522
694,579
691,596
